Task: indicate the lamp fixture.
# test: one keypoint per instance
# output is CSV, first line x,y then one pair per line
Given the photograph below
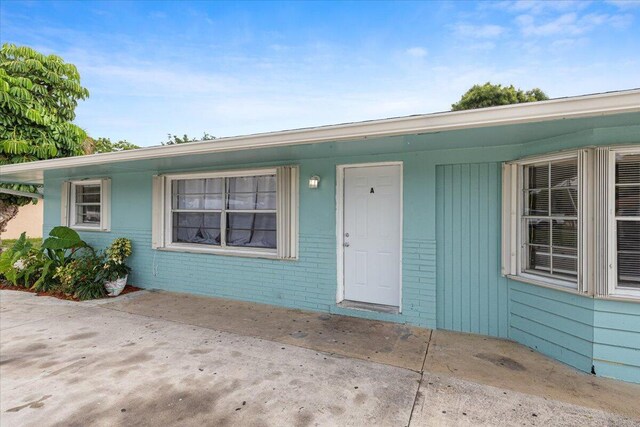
x,y
314,182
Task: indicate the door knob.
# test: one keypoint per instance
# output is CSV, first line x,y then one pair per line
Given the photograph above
x,y
345,244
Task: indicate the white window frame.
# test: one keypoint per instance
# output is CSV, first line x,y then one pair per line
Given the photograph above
x,y
513,233
612,276
286,214
597,236
69,205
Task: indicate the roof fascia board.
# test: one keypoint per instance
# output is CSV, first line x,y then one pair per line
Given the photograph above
x,y
564,108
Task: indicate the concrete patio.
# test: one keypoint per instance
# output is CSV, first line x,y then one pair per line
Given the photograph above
x,y
156,358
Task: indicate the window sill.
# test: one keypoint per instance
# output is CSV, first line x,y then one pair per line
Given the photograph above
x,y
622,295
227,252
550,285
87,228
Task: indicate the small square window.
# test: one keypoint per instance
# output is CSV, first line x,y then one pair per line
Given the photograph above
x,y
85,204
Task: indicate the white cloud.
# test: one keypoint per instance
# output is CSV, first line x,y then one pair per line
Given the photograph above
x,y
417,52
536,7
486,31
570,24
625,4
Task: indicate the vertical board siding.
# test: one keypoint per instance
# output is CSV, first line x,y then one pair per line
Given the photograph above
x,y
556,323
616,339
472,296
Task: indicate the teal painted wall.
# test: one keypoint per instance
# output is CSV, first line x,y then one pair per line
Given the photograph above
x,y
616,339
309,282
556,323
451,190
472,296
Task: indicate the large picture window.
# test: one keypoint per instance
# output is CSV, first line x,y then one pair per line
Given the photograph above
x,y
252,212
234,211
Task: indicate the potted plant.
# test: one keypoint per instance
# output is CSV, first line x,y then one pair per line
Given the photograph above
x,y
114,271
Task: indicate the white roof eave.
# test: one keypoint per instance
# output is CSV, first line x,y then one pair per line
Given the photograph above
x,y
556,109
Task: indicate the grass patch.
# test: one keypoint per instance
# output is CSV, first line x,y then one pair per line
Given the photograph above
x,y
35,241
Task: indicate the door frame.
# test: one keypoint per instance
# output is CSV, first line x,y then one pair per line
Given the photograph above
x,y
340,223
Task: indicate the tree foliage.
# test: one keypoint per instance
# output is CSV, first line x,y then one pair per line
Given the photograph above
x,y
174,139
104,145
38,97
490,95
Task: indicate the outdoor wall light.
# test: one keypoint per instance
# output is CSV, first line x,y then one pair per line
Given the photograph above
x,y
314,181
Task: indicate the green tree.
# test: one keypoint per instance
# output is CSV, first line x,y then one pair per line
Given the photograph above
x,y
104,145
174,139
38,98
490,95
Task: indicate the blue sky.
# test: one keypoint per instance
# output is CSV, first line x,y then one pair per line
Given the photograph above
x,y
236,68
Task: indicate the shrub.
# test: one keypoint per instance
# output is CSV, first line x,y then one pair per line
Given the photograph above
x,y
79,277
60,247
14,265
114,267
65,264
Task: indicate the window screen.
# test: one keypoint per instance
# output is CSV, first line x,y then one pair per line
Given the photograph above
x,y
550,219
627,212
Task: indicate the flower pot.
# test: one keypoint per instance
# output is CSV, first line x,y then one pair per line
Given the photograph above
x,y
115,287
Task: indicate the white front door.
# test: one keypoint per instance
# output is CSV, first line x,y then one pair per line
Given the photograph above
x,y
371,234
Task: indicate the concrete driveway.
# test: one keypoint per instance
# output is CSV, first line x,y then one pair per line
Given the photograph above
x,y
167,359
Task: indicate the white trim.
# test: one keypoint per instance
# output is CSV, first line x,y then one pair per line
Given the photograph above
x,y
157,212
232,251
535,280
520,271
234,173
555,109
509,218
614,289
340,223
65,190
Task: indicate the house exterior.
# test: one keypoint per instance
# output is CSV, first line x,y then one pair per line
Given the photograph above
x,y
520,222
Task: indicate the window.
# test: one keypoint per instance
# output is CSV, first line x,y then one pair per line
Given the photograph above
x,y
550,219
251,213
572,220
244,207
85,204
626,221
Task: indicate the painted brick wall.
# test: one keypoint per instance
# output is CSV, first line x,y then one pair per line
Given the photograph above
x,y
308,283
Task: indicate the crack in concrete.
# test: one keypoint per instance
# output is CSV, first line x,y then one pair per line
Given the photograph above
x,y
424,361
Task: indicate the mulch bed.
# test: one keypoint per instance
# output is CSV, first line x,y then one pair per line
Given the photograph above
x,y
4,285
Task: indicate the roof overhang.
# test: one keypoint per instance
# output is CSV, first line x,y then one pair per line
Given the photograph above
x,y
21,193
556,109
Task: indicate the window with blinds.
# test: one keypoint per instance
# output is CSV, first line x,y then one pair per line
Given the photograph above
x,y
550,219
572,220
627,220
